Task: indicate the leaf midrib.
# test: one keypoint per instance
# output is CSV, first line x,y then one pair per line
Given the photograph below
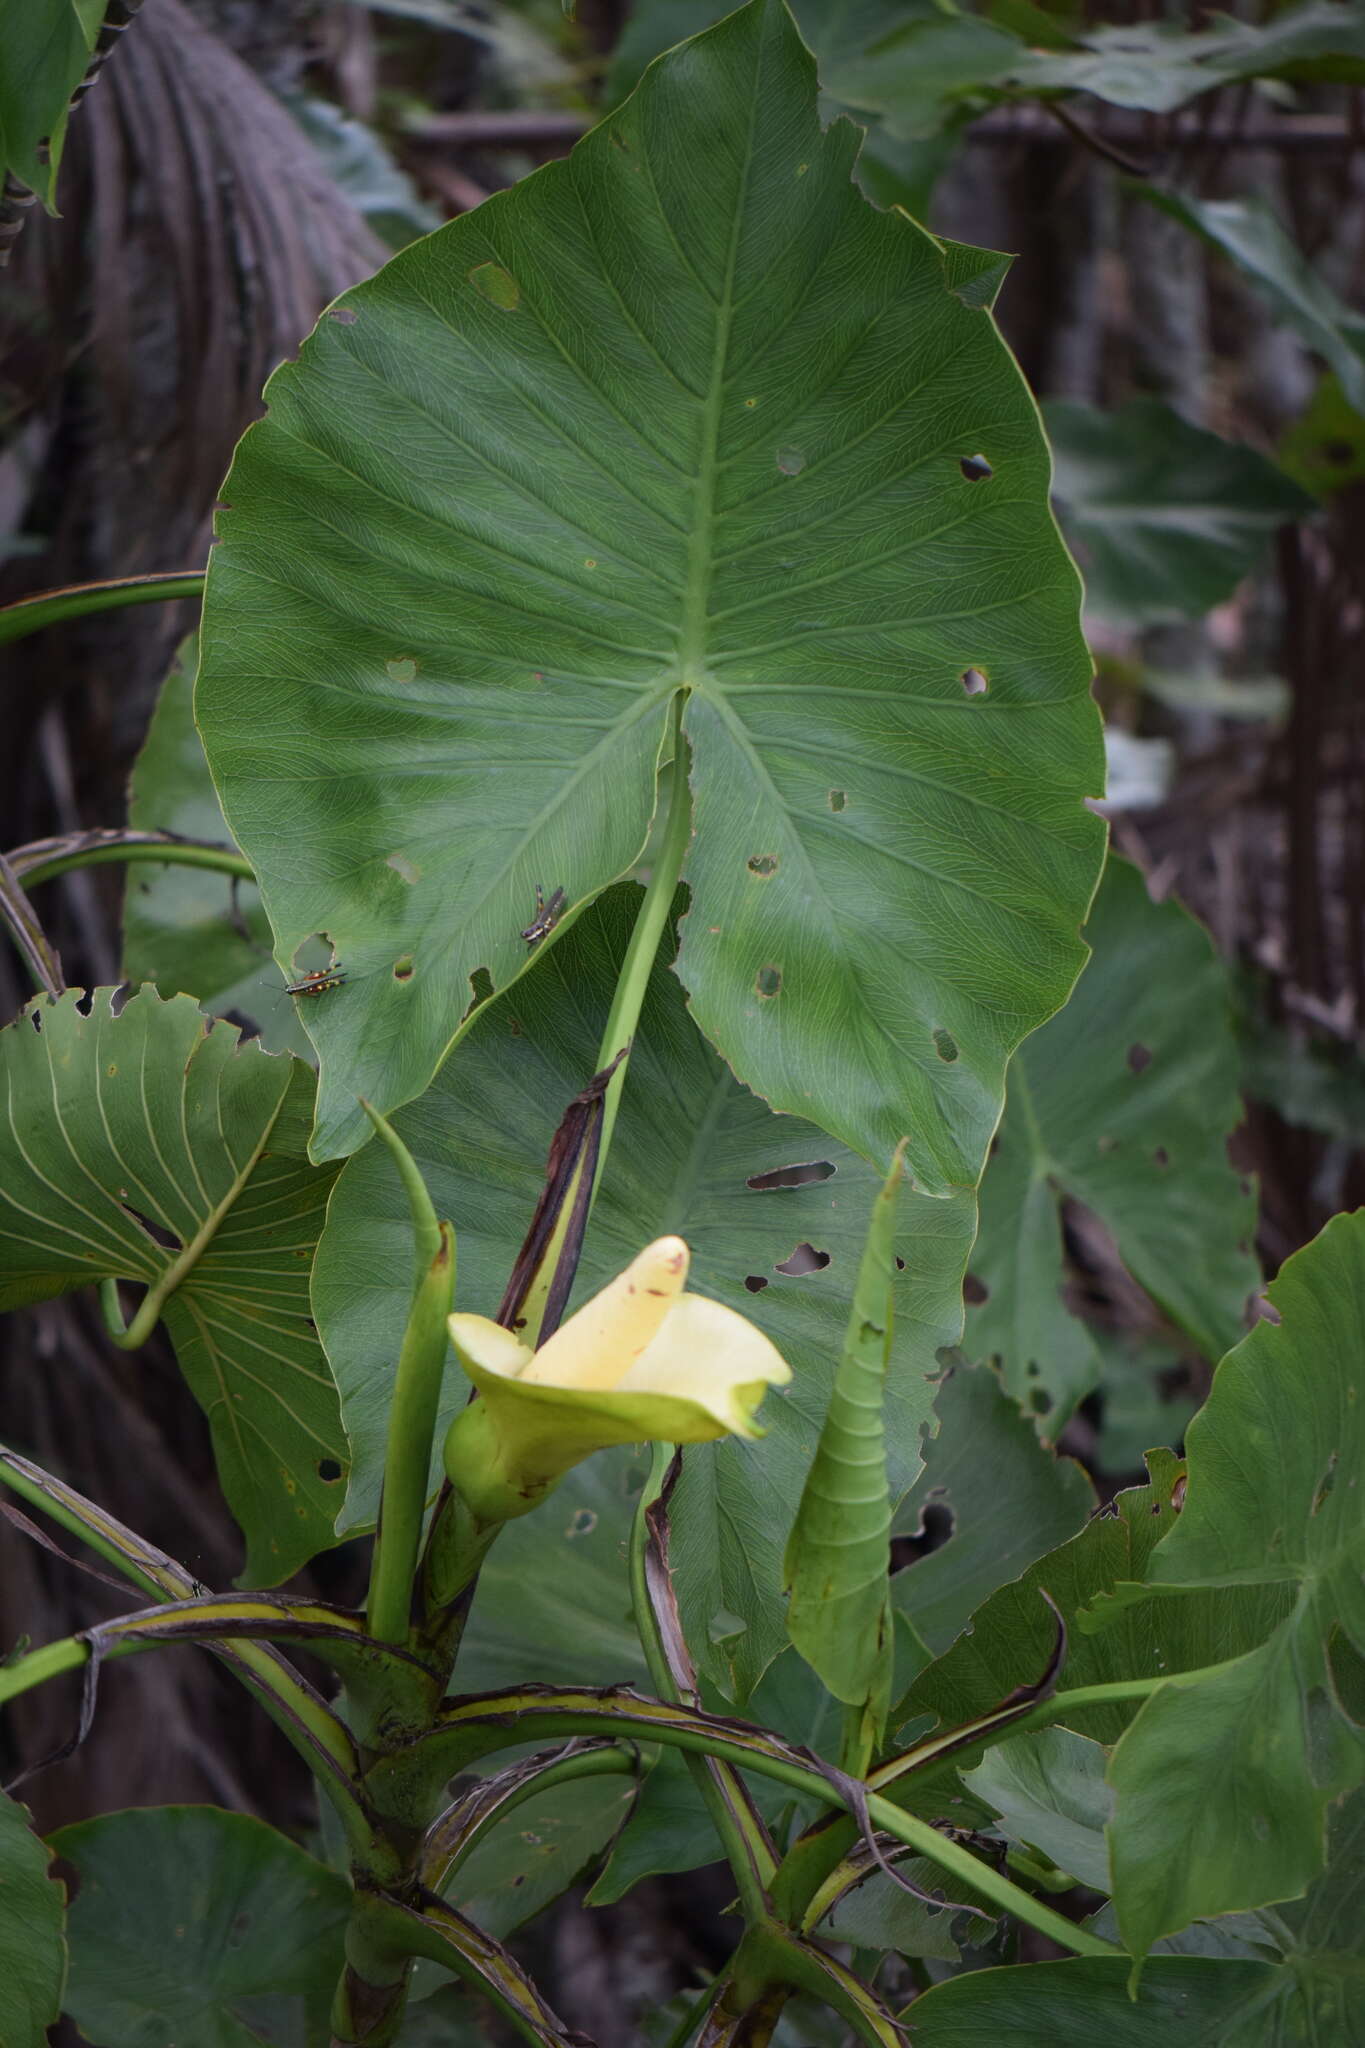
x,y
695,619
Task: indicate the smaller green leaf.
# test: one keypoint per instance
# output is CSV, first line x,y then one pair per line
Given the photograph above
x,y
148,1146
1163,518
839,1616
1223,1782
47,48
880,1914
197,1926
1249,234
1125,1102
32,1931
186,928
361,166
1050,1794
1011,1499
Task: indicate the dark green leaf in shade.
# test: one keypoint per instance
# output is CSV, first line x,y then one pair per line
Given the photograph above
x,y
694,1153
1250,235
32,1932
185,928
1124,1102
1048,1789
1164,519
1010,1497
197,1926
838,1552
681,412
362,167
1308,1992
151,1147
1223,1782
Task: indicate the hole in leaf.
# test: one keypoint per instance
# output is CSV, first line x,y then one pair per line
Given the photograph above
x,y
1325,1485
402,969
36,1021
581,1523
1039,1400
791,1176
805,1259
481,982
974,1291
328,1471
1267,1310
343,315
158,1232
838,798
974,682
85,1002
975,468
945,1045
791,461
1161,1157
900,1265
763,865
755,1282
768,981
1139,1059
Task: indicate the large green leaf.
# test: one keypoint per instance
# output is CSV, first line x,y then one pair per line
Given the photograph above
x,y
1011,1499
1165,519
1275,1457
187,928
146,1145
689,1143
1312,1995
194,1925
1248,232
47,48
32,1932
1124,1102
682,411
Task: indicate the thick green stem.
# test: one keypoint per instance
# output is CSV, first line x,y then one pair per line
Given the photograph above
x,y
748,1860
643,949
412,1411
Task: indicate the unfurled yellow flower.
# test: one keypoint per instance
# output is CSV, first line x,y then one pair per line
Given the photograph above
x,y
641,1360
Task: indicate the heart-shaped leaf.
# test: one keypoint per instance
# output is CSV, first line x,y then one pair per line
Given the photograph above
x,y
682,412
148,1146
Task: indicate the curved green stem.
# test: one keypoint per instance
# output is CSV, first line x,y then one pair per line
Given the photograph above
x,y
541,1721
743,1855
51,607
41,866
